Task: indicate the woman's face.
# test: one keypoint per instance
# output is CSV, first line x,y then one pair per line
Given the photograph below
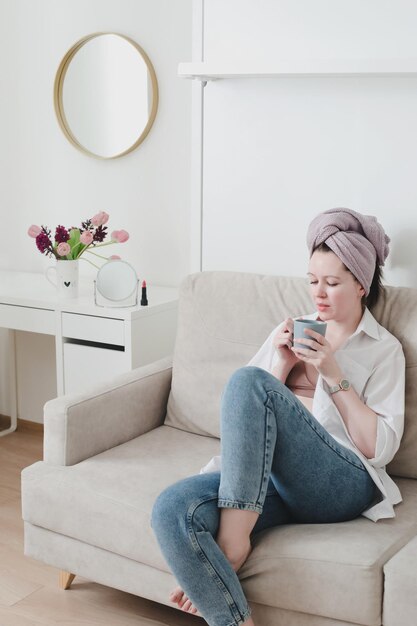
x,y
335,292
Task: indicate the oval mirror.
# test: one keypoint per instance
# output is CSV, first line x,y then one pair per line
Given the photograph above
x,y
106,95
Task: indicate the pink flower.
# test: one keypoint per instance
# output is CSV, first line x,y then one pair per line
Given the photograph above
x,y
100,218
120,236
114,257
63,249
34,231
86,237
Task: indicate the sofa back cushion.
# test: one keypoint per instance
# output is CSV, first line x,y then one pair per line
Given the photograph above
x,y
224,317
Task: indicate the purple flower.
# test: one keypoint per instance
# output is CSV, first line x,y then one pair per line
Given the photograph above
x,y
43,242
100,233
87,225
61,234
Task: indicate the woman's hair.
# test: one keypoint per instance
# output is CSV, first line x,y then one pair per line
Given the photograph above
x,y
376,287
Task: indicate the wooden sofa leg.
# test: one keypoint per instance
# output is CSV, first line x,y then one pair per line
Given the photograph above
x,y
65,579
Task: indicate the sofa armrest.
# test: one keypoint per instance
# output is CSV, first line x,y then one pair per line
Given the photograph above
x,y
79,426
400,586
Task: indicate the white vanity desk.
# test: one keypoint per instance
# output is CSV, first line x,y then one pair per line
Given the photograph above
x,y
93,343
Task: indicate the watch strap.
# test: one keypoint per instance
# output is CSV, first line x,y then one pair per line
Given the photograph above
x,y
334,388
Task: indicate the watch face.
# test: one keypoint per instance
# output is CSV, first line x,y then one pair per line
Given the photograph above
x,y
345,384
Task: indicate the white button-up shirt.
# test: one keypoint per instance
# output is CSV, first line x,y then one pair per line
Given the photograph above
x,y
373,361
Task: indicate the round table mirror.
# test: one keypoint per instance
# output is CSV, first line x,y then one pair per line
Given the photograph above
x,y
106,95
116,280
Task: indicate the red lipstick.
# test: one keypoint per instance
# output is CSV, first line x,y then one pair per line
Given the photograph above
x,y
144,299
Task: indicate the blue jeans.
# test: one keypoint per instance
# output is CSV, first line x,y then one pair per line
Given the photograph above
x,y
277,460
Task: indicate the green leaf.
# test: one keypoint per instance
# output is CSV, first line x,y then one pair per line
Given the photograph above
x,y
73,241
79,250
74,234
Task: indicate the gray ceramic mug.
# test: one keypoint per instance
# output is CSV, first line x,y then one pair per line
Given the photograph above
x,y
300,325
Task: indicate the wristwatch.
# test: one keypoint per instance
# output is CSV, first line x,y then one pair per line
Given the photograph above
x,y
343,385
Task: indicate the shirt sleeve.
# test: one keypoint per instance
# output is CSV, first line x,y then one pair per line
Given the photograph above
x,y
214,465
385,394
266,356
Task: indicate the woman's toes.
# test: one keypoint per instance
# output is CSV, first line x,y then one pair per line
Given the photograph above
x,y
182,601
176,594
187,605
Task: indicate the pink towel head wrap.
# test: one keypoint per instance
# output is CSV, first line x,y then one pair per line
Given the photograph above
x,y
358,240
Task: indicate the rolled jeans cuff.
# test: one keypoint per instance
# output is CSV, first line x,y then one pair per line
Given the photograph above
x,y
242,506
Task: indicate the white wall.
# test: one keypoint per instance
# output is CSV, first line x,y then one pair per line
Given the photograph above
x,y
279,151
45,180
276,152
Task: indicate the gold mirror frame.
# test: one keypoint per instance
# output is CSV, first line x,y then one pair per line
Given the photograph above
x,y
58,98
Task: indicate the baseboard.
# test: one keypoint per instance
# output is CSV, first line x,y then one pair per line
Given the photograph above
x,y
28,425
25,425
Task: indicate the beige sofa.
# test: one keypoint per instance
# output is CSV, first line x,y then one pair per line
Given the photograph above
x,y
108,454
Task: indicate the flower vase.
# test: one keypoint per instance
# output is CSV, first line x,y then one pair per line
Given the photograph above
x,y
66,278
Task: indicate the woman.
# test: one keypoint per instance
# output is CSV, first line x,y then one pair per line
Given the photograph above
x,y
305,432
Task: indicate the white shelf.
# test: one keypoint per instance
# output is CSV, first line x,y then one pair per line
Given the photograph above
x,y
298,68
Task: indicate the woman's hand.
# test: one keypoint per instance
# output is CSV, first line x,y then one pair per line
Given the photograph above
x,y
283,343
321,356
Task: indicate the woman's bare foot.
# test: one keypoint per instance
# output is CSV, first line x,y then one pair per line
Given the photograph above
x,y
178,597
236,560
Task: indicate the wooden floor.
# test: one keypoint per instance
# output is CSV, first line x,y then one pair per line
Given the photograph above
x,y
29,591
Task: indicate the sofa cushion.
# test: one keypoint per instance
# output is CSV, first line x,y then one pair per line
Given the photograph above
x,y
224,317
397,312
333,570
400,599
107,501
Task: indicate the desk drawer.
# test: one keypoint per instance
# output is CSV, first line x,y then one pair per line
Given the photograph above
x,y
91,328
86,366
27,318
